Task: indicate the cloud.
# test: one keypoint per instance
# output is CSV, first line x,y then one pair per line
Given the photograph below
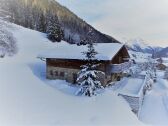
x,y
126,19
86,9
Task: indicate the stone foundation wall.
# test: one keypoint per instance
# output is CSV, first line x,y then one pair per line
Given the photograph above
x,y
62,73
70,75
134,102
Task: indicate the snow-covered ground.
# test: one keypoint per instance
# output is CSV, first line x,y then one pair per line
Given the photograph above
x,y
27,98
155,107
140,57
165,61
129,86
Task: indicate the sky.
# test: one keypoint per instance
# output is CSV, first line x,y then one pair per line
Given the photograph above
x,y
125,19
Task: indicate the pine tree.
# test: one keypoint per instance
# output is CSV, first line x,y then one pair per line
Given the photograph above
x,y
88,77
41,26
54,31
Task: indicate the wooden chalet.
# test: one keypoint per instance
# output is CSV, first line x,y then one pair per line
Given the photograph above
x,y
65,60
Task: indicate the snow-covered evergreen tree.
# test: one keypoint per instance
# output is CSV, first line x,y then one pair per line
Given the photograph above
x,y
54,31
41,25
88,77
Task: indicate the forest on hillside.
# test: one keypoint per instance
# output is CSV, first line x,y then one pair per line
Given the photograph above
x,y
50,17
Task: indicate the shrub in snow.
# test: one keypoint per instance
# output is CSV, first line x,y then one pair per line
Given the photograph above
x,y
150,79
7,43
88,77
2,52
150,83
134,70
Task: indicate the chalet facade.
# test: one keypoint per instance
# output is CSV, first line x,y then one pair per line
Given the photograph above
x,y
64,62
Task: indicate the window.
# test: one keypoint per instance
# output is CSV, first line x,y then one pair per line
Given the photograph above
x,y
51,73
56,73
62,74
74,77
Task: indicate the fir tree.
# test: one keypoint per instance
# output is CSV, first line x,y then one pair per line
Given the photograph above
x,y
41,26
54,31
88,77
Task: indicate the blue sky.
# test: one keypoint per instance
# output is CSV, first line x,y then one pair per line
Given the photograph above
x,y
125,19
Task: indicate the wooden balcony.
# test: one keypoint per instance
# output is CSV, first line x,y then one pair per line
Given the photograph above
x,y
117,68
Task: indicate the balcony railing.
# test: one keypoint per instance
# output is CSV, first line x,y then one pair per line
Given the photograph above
x,y
117,68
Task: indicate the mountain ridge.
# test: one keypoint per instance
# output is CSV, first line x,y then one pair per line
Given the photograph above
x,y
140,45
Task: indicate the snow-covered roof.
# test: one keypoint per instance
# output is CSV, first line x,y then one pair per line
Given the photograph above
x,y
63,50
131,87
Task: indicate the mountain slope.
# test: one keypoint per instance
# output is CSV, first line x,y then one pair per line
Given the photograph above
x,y
162,53
139,45
27,99
33,14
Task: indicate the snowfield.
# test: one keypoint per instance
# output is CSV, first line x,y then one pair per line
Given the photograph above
x,y
139,57
155,108
27,98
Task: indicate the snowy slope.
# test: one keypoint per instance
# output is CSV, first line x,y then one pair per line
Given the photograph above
x,y
140,57
27,99
138,42
155,108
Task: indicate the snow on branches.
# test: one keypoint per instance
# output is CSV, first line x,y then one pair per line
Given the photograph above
x,y
54,31
89,81
89,76
7,43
